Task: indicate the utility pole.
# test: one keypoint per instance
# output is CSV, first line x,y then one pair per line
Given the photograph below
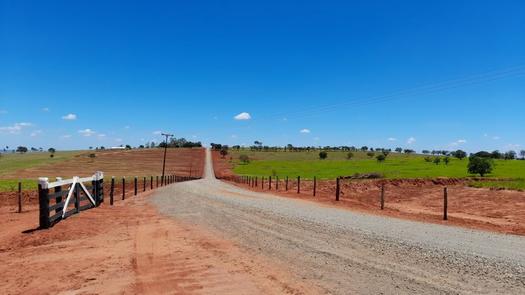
x,y
165,149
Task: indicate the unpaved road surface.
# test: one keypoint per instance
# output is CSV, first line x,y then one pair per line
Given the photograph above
x,y
344,252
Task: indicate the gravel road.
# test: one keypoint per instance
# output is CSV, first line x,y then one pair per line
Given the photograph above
x,y
346,252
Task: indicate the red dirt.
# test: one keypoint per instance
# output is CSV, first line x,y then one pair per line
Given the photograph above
x,y
129,249
422,200
147,162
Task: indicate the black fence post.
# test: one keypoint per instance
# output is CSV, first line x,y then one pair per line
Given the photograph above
x,y
445,203
298,184
276,183
286,184
382,196
256,181
19,197
151,183
262,182
337,188
123,188
58,197
43,201
135,186
112,190
101,186
144,184
270,183
315,185
77,198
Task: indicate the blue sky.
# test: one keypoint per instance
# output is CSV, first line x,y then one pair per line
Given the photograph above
x,y
443,75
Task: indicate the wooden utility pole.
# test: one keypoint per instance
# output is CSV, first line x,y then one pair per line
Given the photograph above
x,y
165,150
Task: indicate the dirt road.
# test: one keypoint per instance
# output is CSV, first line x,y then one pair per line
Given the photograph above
x,y
343,252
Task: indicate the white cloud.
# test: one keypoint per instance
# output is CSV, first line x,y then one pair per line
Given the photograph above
x,y
458,142
512,146
392,139
45,109
101,135
15,128
411,140
157,132
66,136
69,117
304,130
316,138
243,116
234,136
35,133
118,139
86,132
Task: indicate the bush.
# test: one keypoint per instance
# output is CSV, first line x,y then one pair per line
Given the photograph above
x,y
52,155
381,158
323,155
428,159
224,152
244,159
370,154
446,160
479,165
437,160
92,155
349,156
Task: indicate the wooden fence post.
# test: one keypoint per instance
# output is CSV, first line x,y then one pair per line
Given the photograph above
x,y
77,198
43,201
19,197
58,199
286,184
445,203
276,183
255,181
112,190
262,182
151,183
270,183
157,181
382,196
337,188
298,184
144,184
135,185
123,188
315,184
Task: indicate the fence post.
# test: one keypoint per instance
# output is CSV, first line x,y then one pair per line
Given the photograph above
x,y
256,181
77,198
135,185
270,183
144,184
43,201
337,188
100,177
445,203
151,183
382,196
262,182
112,190
58,199
315,185
298,184
286,185
157,181
276,183
19,197
123,188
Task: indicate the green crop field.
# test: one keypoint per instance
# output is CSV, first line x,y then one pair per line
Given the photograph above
x,y
9,163
308,165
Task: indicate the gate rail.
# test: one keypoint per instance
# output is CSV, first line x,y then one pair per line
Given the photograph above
x,y
82,196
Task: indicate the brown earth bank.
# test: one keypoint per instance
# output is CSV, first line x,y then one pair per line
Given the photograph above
x,y
120,163
129,249
415,199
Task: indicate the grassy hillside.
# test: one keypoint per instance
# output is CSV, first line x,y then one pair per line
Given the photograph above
x,y
9,163
308,164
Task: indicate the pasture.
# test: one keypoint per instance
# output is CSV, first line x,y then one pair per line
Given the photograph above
x,y
396,166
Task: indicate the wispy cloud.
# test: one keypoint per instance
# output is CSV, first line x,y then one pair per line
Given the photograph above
x,y
243,116
304,131
411,140
35,133
69,117
458,142
392,139
158,132
46,109
87,132
15,128
65,136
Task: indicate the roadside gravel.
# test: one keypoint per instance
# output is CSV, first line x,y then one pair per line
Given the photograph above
x,y
348,252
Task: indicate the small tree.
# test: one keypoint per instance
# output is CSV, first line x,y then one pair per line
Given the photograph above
x,y
428,159
323,155
386,153
21,149
460,154
522,154
128,147
437,160
381,158
244,159
224,152
446,160
398,150
370,154
349,155
481,166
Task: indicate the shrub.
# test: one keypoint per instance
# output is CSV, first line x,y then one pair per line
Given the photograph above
x,y
446,160
437,160
428,159
224,152
92,155
459,154
244,159
51,150
323,155
52,155
479,165
381,158
349,155
370,154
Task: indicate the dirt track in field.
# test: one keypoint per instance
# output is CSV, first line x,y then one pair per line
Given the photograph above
x,y
493,210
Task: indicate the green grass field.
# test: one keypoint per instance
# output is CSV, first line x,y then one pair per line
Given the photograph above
x,y
308,165
515,184
9,163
